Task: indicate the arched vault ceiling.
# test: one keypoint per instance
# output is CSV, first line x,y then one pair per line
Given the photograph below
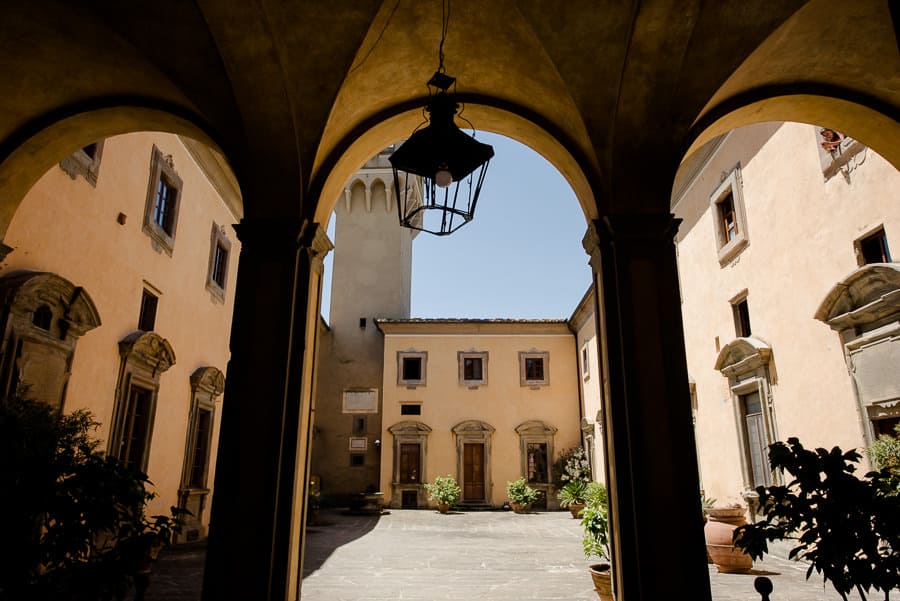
x,y
292,91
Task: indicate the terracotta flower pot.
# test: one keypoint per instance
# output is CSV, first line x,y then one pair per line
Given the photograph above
x,y
575,509
719,530
518,507
601,573
443,507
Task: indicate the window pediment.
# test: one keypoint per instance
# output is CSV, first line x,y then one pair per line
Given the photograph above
x,y
535,428
472,425
148,349
25,292
409,427
866,295
209,380
743,355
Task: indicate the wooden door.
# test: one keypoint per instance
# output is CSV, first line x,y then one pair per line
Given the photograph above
x,y
409,463
473,472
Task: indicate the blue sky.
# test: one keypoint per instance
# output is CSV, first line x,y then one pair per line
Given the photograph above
x,y
520,257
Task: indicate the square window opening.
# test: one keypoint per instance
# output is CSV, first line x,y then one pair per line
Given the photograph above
x,y
410,409
357,459
147,316
873,248
412,368
359,425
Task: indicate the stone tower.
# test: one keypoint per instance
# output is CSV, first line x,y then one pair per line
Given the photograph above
x,y
370,279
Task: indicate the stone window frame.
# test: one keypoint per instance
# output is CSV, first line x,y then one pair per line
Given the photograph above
x,y
732,185
745,362
740,314
409,432
162,167
534,354
144,356
412,354
538,432
80,163
461,359
207,383
218,240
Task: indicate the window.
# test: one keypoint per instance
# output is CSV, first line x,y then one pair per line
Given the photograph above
x,y
357,459
730,221
136,427
84,162
585,362
145,356
362,323
741,314
163,201
537,462
411,366
410,409
534,368
409,462
359,425
147,317
472,368
219,251
873,248
200,459
746,364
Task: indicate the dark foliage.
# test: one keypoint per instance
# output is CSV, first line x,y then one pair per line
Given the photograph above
x,y
848,528
74,527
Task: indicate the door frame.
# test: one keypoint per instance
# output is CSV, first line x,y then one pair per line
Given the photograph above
x,y
474,432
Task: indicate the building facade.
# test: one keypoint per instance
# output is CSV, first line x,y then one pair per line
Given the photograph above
x,y
484,401
118,292
789,296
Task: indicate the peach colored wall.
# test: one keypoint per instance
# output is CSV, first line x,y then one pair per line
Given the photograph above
x,y
69,227
584,321
502,402
801,232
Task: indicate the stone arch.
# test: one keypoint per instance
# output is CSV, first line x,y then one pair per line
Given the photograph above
x,y
41,148
45,314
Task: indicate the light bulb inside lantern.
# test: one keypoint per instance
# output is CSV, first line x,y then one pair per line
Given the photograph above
x,y
443,178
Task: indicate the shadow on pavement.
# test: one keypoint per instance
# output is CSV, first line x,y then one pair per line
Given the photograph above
x,y
331,530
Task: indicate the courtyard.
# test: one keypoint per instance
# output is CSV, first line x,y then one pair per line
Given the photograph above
x,y
464,556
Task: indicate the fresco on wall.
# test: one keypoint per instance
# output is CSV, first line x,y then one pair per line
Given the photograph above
x,y
838,152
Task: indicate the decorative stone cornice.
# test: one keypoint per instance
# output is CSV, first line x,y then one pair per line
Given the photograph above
x,y
208,379
743,355
25,291
866,295
535,426
472,425
409,427
148,349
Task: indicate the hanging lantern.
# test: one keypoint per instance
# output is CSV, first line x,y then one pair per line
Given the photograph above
x,y
450,162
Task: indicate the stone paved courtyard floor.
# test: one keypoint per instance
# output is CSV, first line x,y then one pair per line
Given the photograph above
x,y
466,556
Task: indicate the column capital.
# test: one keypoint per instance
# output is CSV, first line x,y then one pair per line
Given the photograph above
x,y
317,245
636,227
272,233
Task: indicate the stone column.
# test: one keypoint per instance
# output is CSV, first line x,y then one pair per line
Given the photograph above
x,y
654,489
259,496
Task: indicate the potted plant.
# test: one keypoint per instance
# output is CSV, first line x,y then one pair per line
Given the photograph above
x,y
445,491
572,496
521,496
595,522
846,527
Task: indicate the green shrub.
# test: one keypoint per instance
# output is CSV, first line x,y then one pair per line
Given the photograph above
x,y
75,525
572,492
595,522
885,455
444,489
519,492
